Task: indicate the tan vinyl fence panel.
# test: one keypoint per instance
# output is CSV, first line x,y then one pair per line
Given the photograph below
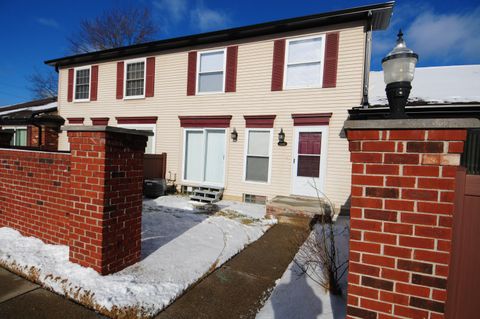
x,y
253,96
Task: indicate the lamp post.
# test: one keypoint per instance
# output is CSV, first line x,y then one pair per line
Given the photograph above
x,y
398,71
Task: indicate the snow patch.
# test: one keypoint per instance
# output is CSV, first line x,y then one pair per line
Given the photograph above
x,y
180,245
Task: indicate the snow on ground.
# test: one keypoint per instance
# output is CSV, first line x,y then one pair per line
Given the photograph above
x,y
297,295
441,85
180,244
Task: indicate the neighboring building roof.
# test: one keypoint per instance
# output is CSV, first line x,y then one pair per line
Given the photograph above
x,y
378,15
37,106
443,85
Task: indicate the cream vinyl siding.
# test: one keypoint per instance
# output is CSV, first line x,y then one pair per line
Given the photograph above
x,y
253,96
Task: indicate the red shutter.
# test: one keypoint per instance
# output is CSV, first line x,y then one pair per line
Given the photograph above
x,y
150,81
331,60
120,70
278,64
94,83
231,76
192,72
70,85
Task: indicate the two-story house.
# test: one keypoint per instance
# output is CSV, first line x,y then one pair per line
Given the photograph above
x,y
256,110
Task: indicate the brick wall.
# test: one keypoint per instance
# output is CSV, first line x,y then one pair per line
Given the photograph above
x,y
90,199
401,221
34,194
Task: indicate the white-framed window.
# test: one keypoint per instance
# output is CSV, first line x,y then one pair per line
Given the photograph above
x,y
20,135
304,62
150,148
211,71
258,155
82,80
135,74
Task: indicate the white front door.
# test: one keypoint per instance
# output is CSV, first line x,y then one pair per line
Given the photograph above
x,y
309,160
204,156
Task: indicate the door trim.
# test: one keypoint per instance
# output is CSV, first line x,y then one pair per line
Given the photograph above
x,y
323,155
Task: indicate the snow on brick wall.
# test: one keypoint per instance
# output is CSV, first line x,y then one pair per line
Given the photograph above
x,y
35,194
403,185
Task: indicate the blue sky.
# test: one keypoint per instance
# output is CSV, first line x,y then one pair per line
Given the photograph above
x,y
442,32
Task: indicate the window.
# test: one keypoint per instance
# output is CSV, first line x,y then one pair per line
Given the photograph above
x,y
304,58
257,166
82,84
211,71
135,78
19,137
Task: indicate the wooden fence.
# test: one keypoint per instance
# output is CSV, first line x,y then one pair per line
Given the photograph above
x,y
155,165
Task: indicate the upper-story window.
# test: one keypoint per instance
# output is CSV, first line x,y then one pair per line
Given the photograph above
x,y
304,62
135,78
211,71
82,84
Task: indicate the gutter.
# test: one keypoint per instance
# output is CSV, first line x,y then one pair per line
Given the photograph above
x,y
368,58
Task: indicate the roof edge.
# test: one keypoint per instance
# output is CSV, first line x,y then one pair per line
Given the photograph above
x,y
378,14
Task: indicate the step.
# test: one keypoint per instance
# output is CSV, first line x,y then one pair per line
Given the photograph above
x,y
203,199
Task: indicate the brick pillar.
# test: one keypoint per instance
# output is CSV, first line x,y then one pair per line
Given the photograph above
x,y
106,182
49,138
5,137
403,183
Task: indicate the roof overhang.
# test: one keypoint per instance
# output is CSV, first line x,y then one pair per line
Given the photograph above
x,y
378,15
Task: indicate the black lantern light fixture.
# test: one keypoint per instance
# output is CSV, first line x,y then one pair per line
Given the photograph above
x,y
398,71
281,138
234,135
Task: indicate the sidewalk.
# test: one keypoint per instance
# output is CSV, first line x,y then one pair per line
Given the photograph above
x,y
21,299
235,290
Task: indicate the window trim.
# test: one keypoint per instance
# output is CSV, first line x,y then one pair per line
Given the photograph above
x,y
197,75
152,127
322,62
125,64
247,139
89,67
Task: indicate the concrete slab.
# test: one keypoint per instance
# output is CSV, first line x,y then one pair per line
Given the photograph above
x,y
43,304
296,206
12,285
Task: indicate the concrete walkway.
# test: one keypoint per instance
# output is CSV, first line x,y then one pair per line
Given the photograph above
x,y
235,290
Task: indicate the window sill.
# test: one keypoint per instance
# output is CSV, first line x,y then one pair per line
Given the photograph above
x,y
81,101
210,93
138,97
257,183
302,88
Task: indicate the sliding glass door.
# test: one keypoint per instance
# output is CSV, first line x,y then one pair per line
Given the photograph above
x,y
204,156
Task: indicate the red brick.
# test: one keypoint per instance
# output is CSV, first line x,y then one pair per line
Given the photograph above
x,y
394,274
447,135
381,192
447,197
416,194
398,181
402,205
376,305
366,202
437,183
445,221
449,171
377,260
408,312
415,266
367,180
413,290
421,171
363,291
418,219
441,159
398,228
357,168
455,147
363,134
380,214
435,208
401,159
407,135
382,169
378,146
396,251
377,283
439,294
354,146
357,191
365,157
432,256
380,238
364,247
425,147
433,232
416,242
365,224
393,298
359,268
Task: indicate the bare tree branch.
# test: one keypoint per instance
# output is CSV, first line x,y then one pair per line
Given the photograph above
x,y
113,29
43,85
